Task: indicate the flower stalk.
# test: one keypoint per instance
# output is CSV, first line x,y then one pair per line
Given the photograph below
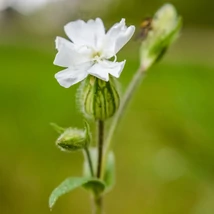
x,y
165,29
88,156
100,146
139,75
100,141
99,205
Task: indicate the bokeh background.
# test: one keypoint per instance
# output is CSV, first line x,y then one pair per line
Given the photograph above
x,y
165,143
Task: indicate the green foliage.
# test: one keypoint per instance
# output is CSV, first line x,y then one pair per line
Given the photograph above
x,y
72,183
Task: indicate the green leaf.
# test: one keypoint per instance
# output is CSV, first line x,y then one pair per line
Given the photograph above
x,y
57,128
97,186
74,182
109,176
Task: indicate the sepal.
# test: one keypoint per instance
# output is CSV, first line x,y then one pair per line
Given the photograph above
x,y
98,99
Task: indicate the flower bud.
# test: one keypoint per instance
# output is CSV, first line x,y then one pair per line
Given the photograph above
x,y
98,99
72,139
164,30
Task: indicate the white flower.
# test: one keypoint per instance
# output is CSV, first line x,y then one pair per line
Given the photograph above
x,y
90,51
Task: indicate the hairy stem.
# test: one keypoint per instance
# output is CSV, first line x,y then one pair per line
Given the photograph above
x,y
136,80
100,144
98,200
88,156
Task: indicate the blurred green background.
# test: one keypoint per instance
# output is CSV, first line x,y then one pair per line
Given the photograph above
x,y
165,143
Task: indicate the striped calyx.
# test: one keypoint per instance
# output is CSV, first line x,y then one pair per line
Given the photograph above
x,y
99,99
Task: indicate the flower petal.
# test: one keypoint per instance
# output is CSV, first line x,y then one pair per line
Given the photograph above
x,y
89,33
102,69
61,42
99,71
72,75
124,37
114,68
116,38
69,54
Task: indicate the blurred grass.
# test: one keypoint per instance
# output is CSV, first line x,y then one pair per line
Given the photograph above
x,y
164,145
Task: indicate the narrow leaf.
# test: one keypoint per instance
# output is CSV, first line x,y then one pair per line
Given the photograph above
x,y
72,183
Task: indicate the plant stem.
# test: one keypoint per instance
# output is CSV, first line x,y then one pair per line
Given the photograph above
x,y
98,200
136,80
99,205
89,161
100,143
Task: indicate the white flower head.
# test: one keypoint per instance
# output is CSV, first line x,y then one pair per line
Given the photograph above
x,y
90,51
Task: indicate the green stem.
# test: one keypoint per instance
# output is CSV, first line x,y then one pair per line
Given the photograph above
x,y
89,161
100,144
136,80
98,200
99,205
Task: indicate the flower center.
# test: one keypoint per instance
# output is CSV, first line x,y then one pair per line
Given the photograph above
x,y
97,56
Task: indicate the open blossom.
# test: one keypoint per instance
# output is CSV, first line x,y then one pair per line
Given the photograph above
x,y
91,52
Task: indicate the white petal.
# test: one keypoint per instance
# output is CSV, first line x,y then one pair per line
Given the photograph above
x,y
102,69
114,68
70,55
72,75
89,33
116,28
116,38
99,71
61,42
124,37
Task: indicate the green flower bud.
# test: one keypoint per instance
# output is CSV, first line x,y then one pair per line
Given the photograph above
x,y
98,99
73,139
164,30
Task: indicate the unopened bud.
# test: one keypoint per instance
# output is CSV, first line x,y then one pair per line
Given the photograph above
x,y
164,30
72,139
98,99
